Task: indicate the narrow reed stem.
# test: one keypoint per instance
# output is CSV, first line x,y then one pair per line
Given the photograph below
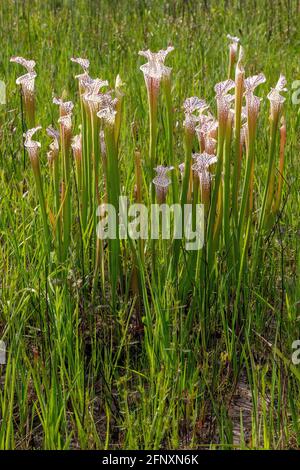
x,y
226,188
269,187
276,204
113,192
40,192
66,200
152,100
119,105
85,168
188,143
174,176
245,202
239,87
95,127
57,201
217,180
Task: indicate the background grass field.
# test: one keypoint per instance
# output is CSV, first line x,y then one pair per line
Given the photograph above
x,y
69,380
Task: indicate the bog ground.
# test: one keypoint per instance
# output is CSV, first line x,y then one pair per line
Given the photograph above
x,y
143,344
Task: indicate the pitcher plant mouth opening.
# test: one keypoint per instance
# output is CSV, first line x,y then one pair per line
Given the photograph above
x,y
27,86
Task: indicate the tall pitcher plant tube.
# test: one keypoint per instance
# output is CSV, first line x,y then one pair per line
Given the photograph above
x,y
201,167
253,105
33,148
276,205
83,82
94,101
207,132
162,182
239,91
191,106
119,91
223,104
65,122
224,99
252,111
53,159
76,145
276,104
54,146
108,116
85,65
154,71
233,52
227,178
26,82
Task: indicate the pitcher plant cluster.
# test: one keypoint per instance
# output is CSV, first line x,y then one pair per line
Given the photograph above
x,y
218,170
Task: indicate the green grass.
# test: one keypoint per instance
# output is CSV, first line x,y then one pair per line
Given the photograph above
x,y
153,353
